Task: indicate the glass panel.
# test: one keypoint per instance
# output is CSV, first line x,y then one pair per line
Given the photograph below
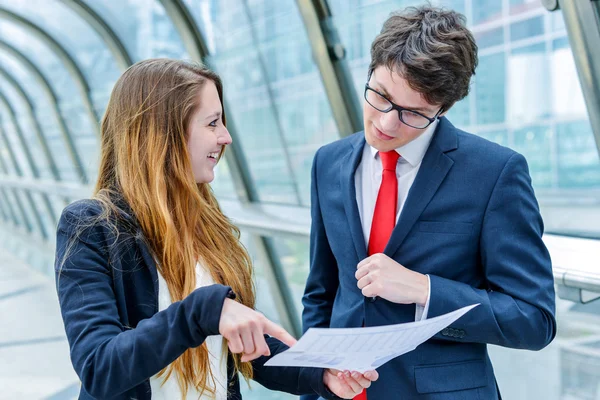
x,y
536,143
578,163
273,88
266,305
489,38
6,124
63,84
565,370
500,137
45,117
27,128
490,86
520,6
143,26
294,258
80,40
486,11
223,185
528,89
528,28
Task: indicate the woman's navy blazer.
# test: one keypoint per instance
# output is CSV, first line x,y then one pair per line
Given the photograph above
x,y
108,292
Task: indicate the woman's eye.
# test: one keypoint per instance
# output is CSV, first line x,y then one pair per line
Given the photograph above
x,y
214,123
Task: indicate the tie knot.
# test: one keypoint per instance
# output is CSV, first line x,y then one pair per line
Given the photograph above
x,y
389,159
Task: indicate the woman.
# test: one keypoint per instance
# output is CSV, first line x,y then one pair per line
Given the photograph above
x,y
155,288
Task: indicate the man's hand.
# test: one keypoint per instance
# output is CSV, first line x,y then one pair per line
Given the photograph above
x,y
379,275
348,384
244,330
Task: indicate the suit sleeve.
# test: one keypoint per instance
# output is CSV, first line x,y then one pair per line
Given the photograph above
x,y
294,380
323,281
518,305
108,357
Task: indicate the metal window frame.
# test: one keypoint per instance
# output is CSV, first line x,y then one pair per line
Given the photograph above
x,y
195,45
45,86
330,55
63,55
34,168
106,33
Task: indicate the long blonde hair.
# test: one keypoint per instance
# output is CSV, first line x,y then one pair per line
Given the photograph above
x,y
145,162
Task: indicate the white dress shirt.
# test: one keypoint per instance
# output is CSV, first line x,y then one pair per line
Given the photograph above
x,y
216,356
367,180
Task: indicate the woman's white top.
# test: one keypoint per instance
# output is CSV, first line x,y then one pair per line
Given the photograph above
x,y
218,361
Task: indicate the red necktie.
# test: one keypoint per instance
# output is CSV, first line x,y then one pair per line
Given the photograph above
x,y
384,217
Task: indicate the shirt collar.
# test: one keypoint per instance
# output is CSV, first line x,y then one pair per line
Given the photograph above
x,y
414,151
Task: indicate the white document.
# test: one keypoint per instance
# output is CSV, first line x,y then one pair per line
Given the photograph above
x,y
361,349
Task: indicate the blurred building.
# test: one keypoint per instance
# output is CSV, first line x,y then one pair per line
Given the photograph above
x,y
285,98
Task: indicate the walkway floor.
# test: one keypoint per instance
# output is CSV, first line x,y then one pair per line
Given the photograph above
x,y
34,354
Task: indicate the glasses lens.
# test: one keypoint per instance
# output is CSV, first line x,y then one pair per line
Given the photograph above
x,y
377,101
414,120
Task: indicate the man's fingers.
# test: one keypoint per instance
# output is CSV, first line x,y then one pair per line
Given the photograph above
x,y
370,290
363,262
363,282
361,379
350,381
279,333
361,272
371,375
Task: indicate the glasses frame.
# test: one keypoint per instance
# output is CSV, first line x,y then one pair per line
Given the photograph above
x,y
396,107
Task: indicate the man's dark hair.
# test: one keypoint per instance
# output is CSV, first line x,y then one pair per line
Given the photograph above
x,y
432,49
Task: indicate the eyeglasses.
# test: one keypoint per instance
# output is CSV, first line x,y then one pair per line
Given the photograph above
x,y
411,118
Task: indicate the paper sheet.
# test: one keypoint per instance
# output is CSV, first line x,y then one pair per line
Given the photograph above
x,y
361,349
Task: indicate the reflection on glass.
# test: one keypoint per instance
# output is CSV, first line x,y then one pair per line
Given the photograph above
x,y
42,109
490,38
520,6
273,89
78,38
19,106
490,84
294,258
565,370
536,144
578,162
529,93
500,137
528,28
486,11
264,304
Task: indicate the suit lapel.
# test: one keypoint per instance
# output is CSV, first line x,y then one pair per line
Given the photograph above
x,y
348,170
433,170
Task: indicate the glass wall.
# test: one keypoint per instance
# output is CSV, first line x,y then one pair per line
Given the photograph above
x,y
525,95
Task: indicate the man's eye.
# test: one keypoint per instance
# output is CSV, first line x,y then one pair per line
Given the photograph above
x,y
214,123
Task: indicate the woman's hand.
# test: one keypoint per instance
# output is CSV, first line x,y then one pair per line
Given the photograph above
x,y
348,384
244,330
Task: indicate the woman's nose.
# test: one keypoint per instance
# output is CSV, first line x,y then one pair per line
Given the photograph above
x,y
224,137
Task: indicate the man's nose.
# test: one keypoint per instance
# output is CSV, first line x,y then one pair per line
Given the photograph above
x,y
389,121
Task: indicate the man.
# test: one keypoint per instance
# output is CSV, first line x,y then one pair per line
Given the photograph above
x,y
414,218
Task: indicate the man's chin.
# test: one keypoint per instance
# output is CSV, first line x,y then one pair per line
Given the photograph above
x,y
381,145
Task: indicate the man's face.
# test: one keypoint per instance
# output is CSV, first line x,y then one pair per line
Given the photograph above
x,y
385,131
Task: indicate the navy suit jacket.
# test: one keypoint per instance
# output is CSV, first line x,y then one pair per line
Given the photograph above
x,y
108,293
470,221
